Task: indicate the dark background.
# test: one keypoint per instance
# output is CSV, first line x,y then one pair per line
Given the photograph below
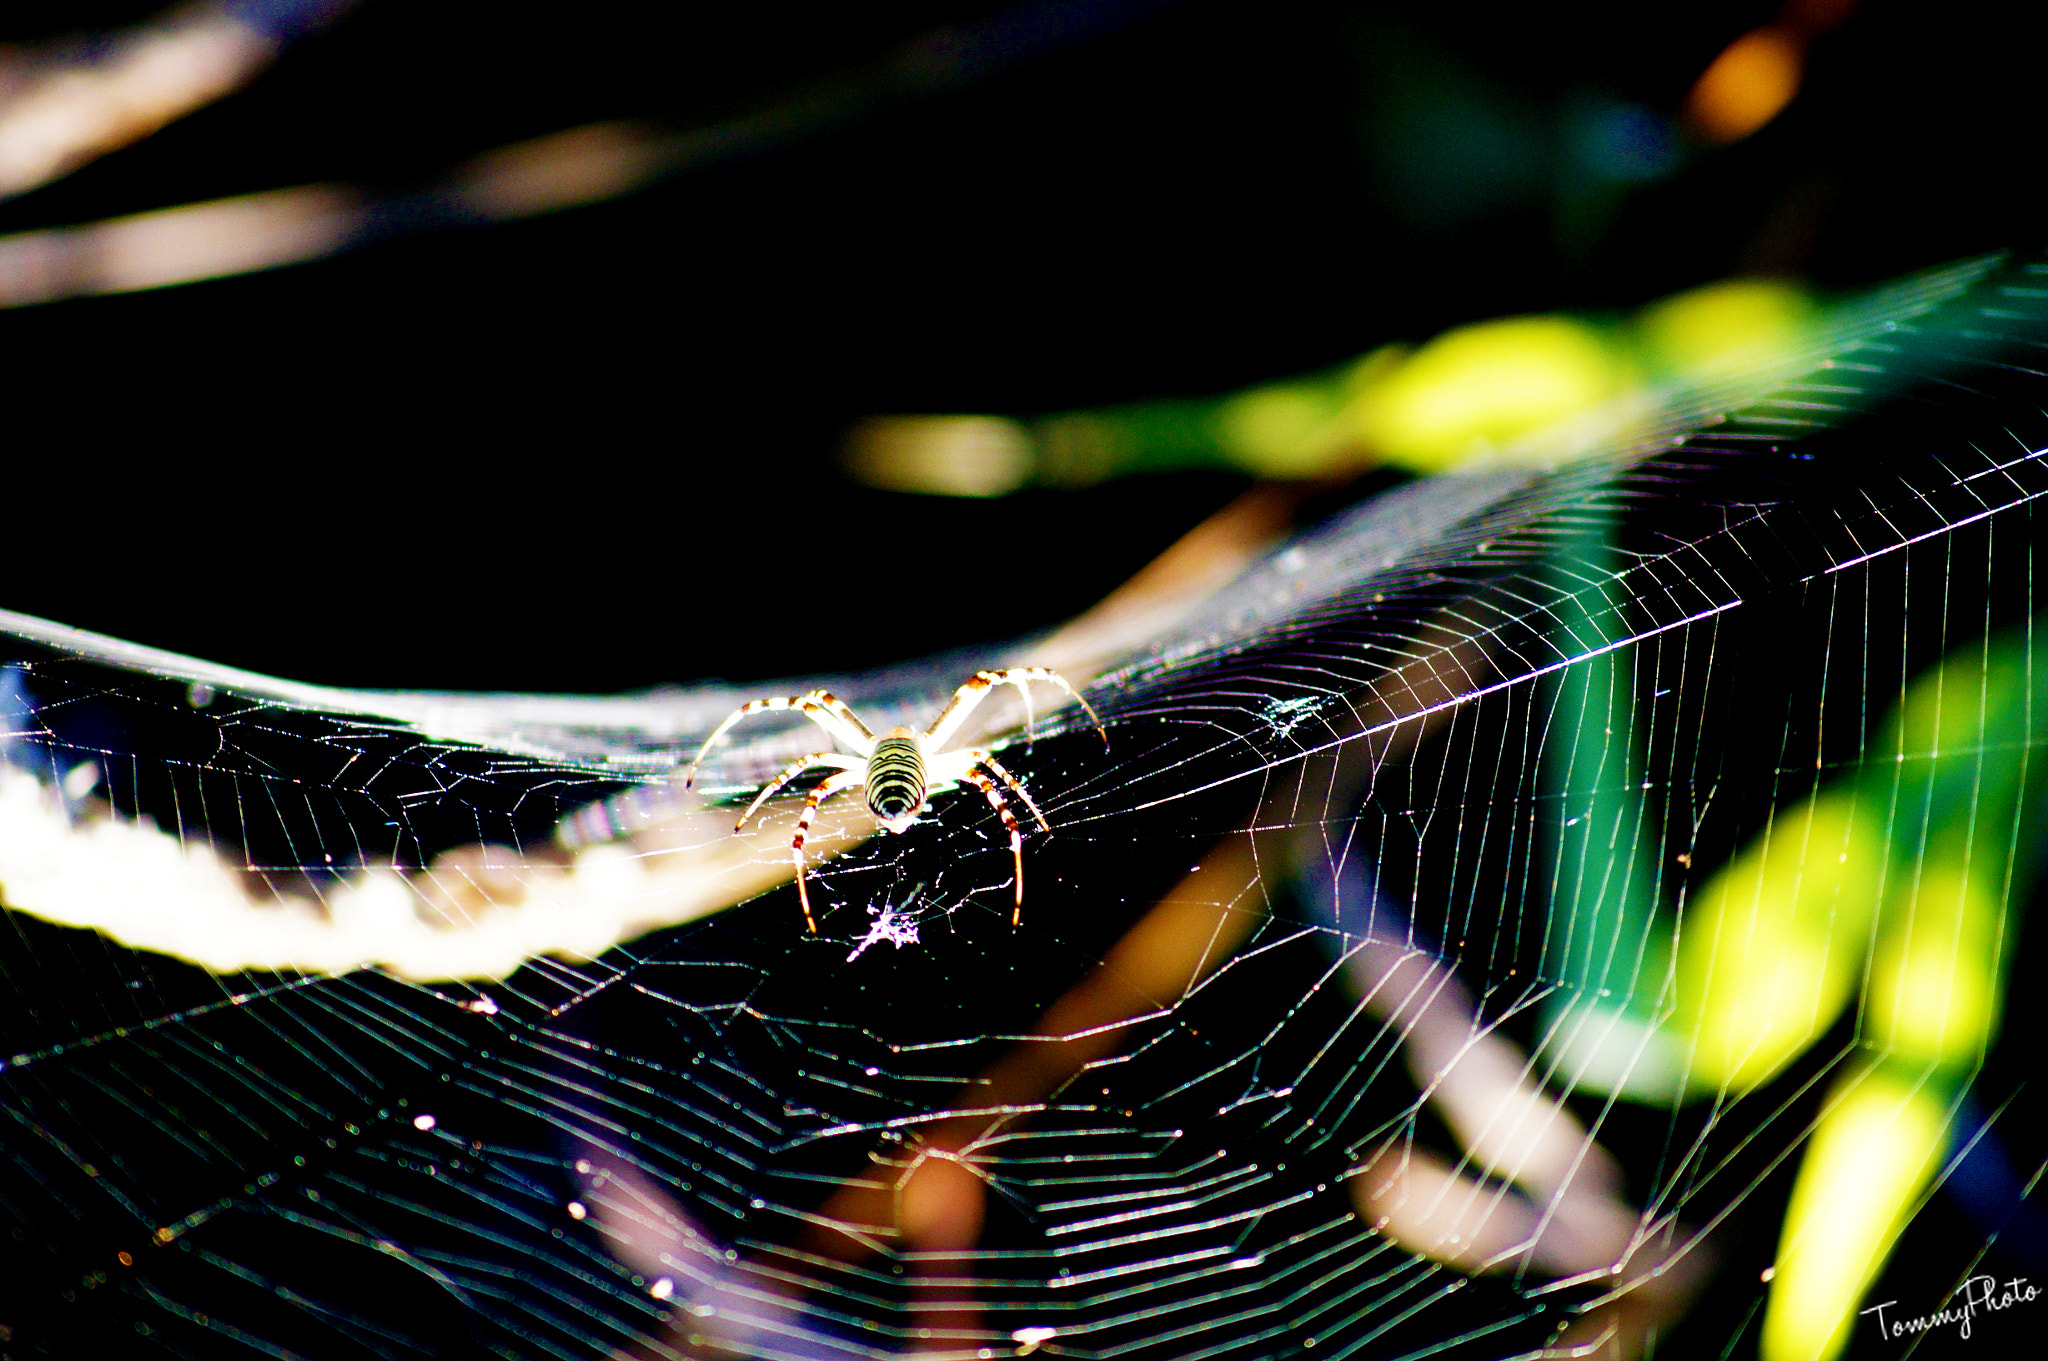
x,y
598,450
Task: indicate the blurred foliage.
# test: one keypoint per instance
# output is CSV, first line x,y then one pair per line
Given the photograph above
x,y
1890,885
1472,393
1885,894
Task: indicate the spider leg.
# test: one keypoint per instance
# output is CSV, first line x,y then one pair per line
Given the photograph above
x,y
964,699
996,801
832,785
981,682
819,706
988,761
794,769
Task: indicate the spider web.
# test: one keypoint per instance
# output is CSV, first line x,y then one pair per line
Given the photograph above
x,y
1346,1015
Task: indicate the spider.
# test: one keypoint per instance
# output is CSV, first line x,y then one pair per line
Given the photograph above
x,y
901,768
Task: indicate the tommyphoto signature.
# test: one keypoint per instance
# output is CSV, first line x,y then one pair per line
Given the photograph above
x,y
1978,1295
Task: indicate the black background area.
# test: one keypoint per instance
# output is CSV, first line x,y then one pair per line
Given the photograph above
x,y
598,450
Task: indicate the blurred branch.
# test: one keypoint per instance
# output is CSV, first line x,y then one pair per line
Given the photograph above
x,y
579,166
60,110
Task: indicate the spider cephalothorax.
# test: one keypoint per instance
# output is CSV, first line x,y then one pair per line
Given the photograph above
x,y
902,768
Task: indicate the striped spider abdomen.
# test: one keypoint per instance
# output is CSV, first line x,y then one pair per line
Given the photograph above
x,y
896,779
